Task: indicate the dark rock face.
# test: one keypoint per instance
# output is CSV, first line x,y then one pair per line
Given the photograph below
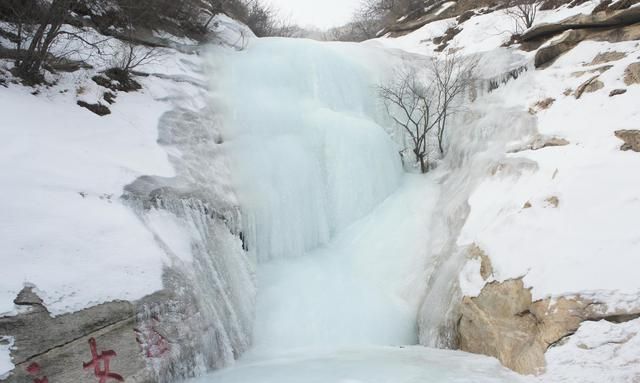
x,y
98,109
631,139
617,92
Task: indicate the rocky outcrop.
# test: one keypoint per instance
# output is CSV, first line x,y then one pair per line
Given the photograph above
x,y
616,26
504,322
631,139
438,10
582,21
569,39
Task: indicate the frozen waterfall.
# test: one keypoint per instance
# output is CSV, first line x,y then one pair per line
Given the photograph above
x,y
337,230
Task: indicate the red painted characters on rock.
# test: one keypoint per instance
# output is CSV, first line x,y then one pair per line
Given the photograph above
x,y
100,363
34,369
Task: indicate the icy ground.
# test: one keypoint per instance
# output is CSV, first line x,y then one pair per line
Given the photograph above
x,y
366,365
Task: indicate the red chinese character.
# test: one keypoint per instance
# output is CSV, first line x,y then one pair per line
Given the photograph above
x,y
34,369
103,357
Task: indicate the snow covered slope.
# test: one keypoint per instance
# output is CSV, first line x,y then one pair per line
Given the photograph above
x,y
559,205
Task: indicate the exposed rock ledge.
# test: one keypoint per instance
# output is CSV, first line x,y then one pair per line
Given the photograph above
x,y
505,322
598,20
603,26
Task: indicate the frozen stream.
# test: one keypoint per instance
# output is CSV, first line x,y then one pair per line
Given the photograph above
x,y
337,229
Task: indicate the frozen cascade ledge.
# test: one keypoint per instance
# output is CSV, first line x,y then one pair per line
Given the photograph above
x,y
309,151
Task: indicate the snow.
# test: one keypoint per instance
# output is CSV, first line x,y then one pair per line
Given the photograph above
x,y
370,365
471,282
591,236
5,357
64,228
597,351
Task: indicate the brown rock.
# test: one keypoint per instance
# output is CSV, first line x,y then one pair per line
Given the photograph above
x,y
632,74
589,86
527,205
631,139
499,323
617,92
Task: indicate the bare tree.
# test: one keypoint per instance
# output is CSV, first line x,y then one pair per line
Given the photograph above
x,y
452,75
421,104
48,30
413,102
131,54
523,13
43,32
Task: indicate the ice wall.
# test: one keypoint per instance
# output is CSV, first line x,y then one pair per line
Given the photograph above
x,y
309,151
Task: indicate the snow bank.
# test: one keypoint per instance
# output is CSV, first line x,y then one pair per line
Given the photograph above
x,y
5,356
64,228
589,241
597,352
